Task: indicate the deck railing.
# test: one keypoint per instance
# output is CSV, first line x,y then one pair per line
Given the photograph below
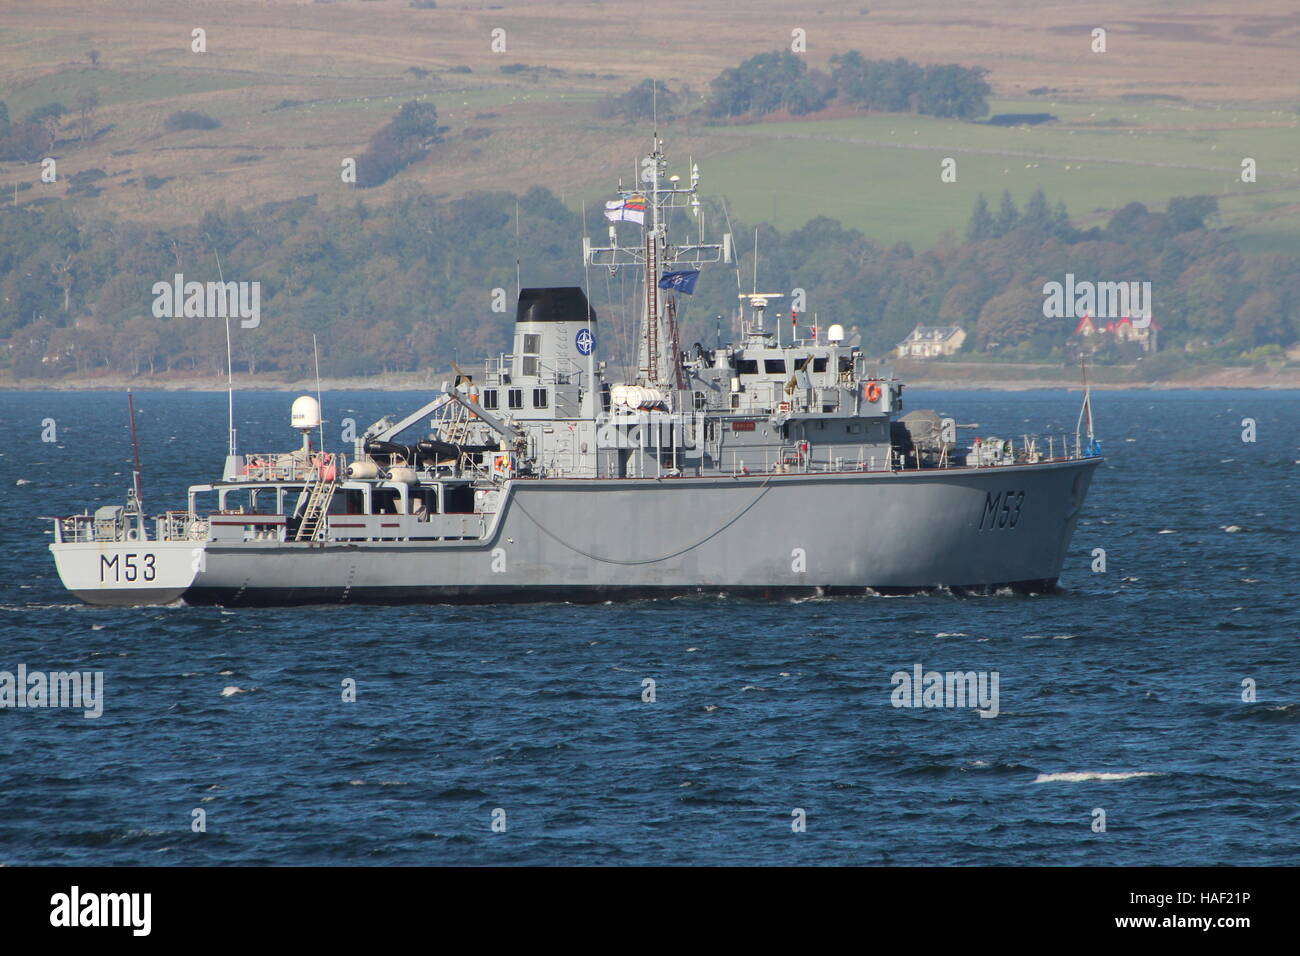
x,y
291,467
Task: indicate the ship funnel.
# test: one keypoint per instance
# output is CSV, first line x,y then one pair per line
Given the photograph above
x,y
561,304
555,334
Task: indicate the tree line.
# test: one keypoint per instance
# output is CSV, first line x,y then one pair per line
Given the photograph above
x,y
782,80
410,285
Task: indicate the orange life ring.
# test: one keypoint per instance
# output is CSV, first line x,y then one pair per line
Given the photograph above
x,y
872,391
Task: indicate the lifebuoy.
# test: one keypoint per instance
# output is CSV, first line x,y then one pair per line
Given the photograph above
x,y
872,391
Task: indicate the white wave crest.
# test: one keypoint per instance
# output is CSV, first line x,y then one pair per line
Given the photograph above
x,y
1077,777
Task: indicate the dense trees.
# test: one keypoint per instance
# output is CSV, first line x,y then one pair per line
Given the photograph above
x,y
954,91
190,119
399,287
643,102
32,137
417,121
1038,216
782,80
1190,212
888,85
408,285
402,141
769,82
899,85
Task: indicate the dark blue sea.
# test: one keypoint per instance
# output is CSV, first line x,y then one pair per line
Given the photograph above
x,y
1121,693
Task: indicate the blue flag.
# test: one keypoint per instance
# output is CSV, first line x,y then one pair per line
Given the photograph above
x,y
683,282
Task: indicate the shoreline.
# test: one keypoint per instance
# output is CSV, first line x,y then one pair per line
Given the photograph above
x,y
944,376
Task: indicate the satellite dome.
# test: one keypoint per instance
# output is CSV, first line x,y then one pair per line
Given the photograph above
x,y
305,413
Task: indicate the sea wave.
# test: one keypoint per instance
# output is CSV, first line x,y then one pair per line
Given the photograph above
x,y
1084,776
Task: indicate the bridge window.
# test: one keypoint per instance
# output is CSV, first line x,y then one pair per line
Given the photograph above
x,y
699,401
539,398
515,396
774,366
819,364
532,346
490,398
746,366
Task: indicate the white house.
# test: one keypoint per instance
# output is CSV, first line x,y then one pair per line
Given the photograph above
x,y
927,341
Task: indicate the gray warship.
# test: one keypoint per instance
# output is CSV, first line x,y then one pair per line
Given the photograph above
x,y
779,465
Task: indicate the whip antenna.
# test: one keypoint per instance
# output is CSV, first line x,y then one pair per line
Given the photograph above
x,y
316,354
135,452
230,368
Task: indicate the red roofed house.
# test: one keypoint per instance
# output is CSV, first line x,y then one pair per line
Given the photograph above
x,y
1124,331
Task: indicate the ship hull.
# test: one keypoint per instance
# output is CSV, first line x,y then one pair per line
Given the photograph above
x,y
129,573
766,536
506,594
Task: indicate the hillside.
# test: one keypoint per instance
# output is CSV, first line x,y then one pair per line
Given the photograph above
x,y
300,86
293,90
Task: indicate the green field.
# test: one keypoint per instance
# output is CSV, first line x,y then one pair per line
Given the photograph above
x,y
118,86
881,173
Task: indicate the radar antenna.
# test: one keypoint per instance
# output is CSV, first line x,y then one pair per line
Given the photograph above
x,y
648,204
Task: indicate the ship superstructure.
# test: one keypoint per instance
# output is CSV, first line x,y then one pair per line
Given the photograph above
x,y
782,463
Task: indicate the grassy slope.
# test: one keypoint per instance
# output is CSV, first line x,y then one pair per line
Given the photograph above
x,y
881,173
347,63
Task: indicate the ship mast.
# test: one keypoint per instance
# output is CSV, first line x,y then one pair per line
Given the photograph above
x,y
660,193
648,365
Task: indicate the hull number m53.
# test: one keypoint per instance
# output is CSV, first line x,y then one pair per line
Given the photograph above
x,y
126,567
1001,510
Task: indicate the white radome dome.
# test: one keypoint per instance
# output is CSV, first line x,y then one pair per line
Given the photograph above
x,y
305,413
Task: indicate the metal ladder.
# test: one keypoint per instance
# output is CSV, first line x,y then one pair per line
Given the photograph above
x,y
454,423
313,516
